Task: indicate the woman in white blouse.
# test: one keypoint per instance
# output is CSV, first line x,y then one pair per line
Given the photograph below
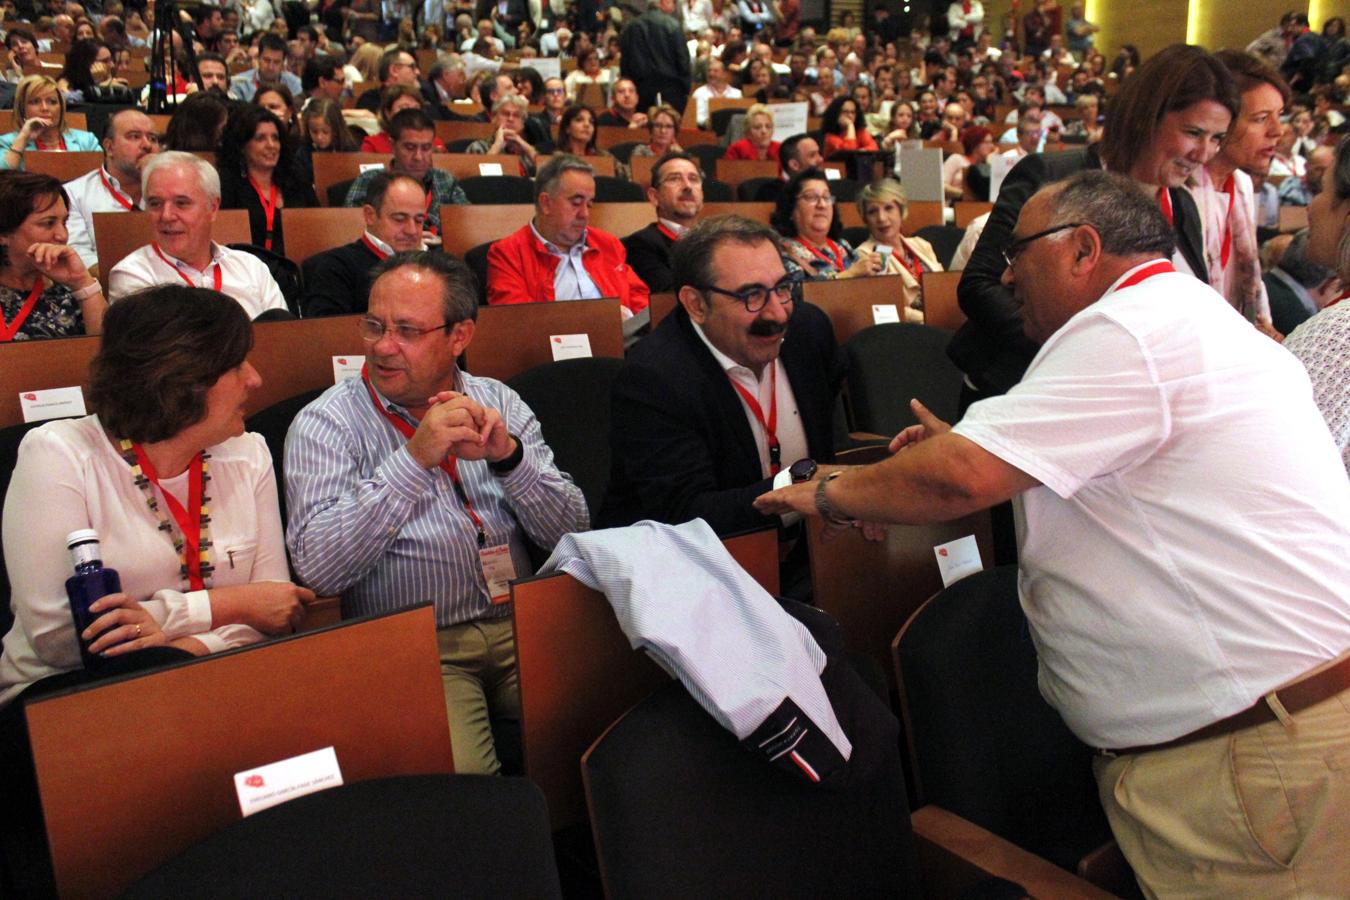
x,y
169,387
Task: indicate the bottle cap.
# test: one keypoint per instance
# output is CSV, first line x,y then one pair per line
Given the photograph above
x,y
83,536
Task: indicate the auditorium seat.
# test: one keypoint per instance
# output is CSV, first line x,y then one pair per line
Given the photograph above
x,y
617,190
498,189
891,364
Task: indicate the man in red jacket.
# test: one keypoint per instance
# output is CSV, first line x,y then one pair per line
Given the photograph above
x,y
556,256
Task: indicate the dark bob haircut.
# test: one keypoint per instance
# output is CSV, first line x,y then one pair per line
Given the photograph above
x,y
162,350
783,207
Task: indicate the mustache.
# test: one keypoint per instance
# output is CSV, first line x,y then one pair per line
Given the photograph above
x,y
763,328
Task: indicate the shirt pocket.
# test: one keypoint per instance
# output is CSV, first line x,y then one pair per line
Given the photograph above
x,y
234,561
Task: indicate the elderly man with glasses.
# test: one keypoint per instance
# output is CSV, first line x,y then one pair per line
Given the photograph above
x,y
731,394
420,482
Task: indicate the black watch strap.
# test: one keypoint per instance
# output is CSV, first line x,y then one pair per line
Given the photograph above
x,y
507,465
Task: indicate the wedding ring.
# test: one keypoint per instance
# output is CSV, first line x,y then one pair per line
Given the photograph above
x,y
138,629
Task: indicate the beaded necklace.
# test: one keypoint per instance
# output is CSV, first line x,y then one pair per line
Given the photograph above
x,y
192,544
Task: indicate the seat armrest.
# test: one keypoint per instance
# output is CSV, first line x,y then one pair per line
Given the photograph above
x,y
324,611
955,854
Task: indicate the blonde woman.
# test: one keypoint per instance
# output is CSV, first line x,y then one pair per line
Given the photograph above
x,y
883,205
40,123
758,142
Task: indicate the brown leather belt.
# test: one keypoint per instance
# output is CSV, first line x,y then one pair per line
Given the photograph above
x,y
1300,695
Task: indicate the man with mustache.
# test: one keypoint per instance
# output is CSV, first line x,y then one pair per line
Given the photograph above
x,y
731,394
677,194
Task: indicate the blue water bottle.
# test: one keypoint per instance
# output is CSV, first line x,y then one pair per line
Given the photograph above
x,y
90,582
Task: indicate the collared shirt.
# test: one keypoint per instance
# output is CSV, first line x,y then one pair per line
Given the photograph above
x,y
242,276
379,244
675,227
571,281
88,196
245,85
368,522
791,435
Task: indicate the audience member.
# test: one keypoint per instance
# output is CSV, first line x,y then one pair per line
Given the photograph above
x,y
197,124
509,114
797,153
623,107
323,130
1117,449
323,79
213,74
758,142
414,137
677,193
115,186
394,100
337,281
33,247
1297,287
716,87
182,194
663,124
654,56
280,102
397,66
978,144
271,66
371,464
258,174
40,123
883,206
844,129
557,256
1301,191
813,246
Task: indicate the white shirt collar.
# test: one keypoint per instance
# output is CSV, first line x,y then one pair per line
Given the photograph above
x,y
673,226
379,244
216,253
726,362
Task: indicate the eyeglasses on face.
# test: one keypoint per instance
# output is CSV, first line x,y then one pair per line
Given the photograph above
x,y
816,199
1016,248
372,330
789,290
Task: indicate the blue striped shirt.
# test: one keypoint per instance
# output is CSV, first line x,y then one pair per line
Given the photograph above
x,y
369,523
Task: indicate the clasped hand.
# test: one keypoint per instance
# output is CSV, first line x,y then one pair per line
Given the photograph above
x,y
457,425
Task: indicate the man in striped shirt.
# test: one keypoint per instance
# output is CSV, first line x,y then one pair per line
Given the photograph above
x,y
419,482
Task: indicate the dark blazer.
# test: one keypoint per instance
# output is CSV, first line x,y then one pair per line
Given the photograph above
x,y
337,281
237,193
1287,311
991,347
681,446
649,255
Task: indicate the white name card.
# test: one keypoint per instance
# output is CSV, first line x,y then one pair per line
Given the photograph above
x,y
570,346
546,66
884,313
55,403
957,559
832,175
788,119
366,167
345,367
489,168
275,783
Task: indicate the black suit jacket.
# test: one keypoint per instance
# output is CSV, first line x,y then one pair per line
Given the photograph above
x,y
991,348
649,255
681,446
337,281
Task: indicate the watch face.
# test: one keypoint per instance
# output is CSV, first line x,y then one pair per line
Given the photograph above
x,y
802,470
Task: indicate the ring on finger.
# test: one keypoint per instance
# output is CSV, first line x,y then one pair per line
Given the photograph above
x,y
138,629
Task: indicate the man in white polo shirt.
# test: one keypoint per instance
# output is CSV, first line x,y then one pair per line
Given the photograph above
x,y
182,194
1183,524
115,186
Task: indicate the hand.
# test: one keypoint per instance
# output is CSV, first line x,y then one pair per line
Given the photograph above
x,y
929,426
272,607
1266,327
456,425
123,627
800,498
639,120
495,442
26,132
866,264
60,263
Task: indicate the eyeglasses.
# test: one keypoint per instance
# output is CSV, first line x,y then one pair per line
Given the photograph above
x,y
1015,249
816,199
789,290
372,330
555,90
676,178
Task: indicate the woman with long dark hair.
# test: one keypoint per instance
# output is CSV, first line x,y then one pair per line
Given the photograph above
x,y
257,174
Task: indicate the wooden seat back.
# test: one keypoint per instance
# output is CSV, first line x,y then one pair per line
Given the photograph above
x,y
512,338
311,231
967,211
849,301
735,171
465,227
940,306
134,771
578,672
62,165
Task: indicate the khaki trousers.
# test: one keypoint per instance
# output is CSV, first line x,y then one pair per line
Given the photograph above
x,y
478,672
1263,812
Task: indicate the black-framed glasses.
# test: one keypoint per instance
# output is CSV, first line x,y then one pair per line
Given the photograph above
x,y
373,329
1015,249
789,290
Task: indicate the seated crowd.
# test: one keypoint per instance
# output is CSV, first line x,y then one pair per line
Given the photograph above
x,y
421,481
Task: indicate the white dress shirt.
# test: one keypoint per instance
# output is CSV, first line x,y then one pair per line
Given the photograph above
x,y
88,196
243,277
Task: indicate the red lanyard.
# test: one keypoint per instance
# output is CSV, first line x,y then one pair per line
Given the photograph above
x,y
269,205
122,200
1157,268
837,262
769,425
370,245
449,464
180,271
1227,247
432,228
912,262
190,524
9,329
60,143
1165,204
667,232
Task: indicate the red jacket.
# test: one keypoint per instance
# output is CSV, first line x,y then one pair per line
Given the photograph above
x,y
521,270
743,149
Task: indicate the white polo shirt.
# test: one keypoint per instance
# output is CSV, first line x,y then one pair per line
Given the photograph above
x,y
1188,548
242,276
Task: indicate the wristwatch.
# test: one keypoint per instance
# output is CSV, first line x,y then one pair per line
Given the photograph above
x,y
803,470
823,502
507,464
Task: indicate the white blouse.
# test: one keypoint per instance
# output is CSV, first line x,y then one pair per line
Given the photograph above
x,y
70,476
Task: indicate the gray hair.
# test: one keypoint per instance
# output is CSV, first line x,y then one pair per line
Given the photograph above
x,y
1297,266
460,297
446,62
691,258
1126,219
510,100
169,159
546,181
